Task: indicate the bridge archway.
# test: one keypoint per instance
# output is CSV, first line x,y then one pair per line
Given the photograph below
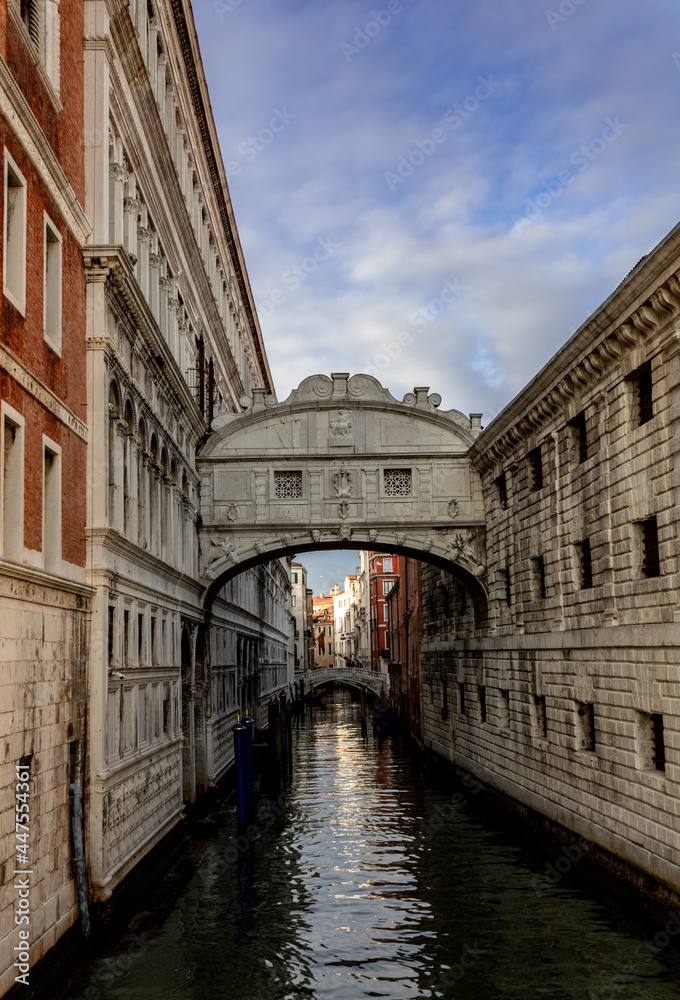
x,y
342,463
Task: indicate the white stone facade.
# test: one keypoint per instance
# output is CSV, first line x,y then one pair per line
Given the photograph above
x,y
172,341
569,704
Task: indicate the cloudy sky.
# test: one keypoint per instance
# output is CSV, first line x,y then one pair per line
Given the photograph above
x,y
441,191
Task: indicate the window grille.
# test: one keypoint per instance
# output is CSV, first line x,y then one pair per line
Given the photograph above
x,y
288,485
397,482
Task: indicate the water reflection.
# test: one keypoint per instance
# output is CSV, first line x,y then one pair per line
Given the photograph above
x,y
360,880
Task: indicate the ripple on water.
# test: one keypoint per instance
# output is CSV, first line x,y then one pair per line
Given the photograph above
x,y
361,889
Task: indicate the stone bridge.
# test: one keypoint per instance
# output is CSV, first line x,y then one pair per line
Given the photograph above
x,y
377,683
341,463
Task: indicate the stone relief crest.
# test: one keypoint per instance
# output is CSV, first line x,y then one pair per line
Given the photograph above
x,y
452,509
343,509
341,428
342,483
231,511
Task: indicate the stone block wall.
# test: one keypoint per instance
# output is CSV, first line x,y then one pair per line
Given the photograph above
x,y
569,702
43,648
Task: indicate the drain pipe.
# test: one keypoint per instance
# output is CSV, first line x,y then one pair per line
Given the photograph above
x,y
79,859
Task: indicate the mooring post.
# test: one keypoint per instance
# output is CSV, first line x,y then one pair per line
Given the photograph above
x,y
283,724
272,722
240,757
249,723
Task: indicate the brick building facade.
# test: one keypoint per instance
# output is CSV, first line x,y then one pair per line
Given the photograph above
x,y
44,597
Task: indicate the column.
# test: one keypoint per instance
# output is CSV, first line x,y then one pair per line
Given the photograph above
x,y
160,86
97,89
130,217
117,177
134,445
164,311
116,515
170,118
154,278
144,250
145,497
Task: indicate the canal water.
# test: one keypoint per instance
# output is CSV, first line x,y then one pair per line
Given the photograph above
x,y
363,879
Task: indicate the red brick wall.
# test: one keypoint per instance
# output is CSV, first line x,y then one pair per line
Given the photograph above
x,y
23,335
63,130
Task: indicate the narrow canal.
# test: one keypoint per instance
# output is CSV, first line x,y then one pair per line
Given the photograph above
x,y
366,881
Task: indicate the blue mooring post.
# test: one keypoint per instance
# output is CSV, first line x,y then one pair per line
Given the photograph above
x,y
250,768
240,757
272,718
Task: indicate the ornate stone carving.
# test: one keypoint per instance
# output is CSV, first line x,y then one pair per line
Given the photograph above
x,y
343,509
341,428
373,534
287,540
260,547
231,511
342,483
316,535
218,552
427,544
345,533
401,537
452,508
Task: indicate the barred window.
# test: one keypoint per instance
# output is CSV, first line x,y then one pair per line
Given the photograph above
x,y
502,487
288,485
580,432
641,380
650,548
535,462
585,562
538,572
397,482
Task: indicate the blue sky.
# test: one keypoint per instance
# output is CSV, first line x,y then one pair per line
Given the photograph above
x,y
442,193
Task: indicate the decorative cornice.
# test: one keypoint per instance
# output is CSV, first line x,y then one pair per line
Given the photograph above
x,y
622,324
113,264
17,112
146,110
33,385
